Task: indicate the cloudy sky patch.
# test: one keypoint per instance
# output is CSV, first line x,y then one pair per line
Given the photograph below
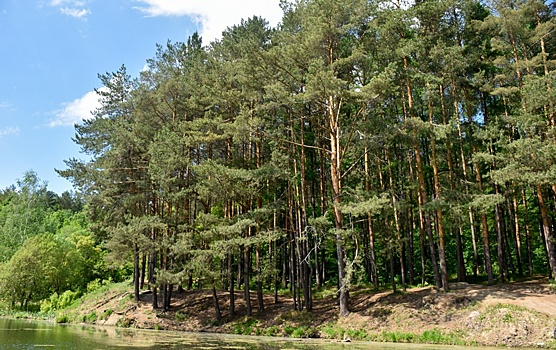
x,y
9,131
76,111
214,15
73,12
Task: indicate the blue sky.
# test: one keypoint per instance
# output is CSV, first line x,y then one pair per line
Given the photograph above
x,y
53,50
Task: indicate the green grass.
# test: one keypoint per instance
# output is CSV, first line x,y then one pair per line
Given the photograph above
x,y
296,316
90,318
271,331
305,332
245,326
62,318
434,336
180,316
397,337
333,331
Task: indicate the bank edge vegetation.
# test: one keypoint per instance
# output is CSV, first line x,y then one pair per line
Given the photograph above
x,y
377,142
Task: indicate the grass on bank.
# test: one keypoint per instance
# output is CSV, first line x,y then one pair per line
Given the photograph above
x,y
76,311
433,336
91,308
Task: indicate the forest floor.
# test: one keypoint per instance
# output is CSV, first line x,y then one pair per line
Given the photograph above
x,y
517,314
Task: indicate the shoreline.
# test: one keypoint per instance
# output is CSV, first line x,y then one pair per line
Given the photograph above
x,y
518,314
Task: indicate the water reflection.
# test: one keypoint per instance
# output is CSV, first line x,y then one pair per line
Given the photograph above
x,y
22,335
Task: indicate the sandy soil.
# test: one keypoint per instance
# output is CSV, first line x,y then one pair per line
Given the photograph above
x,y
519,314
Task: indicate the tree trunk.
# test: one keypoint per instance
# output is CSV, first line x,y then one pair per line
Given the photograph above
x,y
440,223
462,277
231,282
164,290
216,306
392,273
374,274
397,222
136,273
260,301
143,270
337,193
155,297
372,255
421,222
484,223
547,231
246,272
517,235
527,233
500,246
425,217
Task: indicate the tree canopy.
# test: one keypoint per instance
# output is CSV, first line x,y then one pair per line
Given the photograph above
x,y
358,141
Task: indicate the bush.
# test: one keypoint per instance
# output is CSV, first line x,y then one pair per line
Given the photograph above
x,y
106,314
357,334
59,302
436,336
271,331
305,332
124,323
245,327
333,331
180,316
67,298
62,318
90,318
93,285
397,337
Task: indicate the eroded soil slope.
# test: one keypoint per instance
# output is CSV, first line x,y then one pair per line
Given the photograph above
x,y
513,314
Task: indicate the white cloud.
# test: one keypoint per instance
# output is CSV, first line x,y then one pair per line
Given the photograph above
x,y
76,13
4,104
214,15
77,110
9,131
78,3
72,8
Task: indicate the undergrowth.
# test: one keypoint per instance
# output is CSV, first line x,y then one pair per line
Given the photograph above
x,y
433,336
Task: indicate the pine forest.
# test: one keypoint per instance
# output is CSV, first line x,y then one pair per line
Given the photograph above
x,y
381,143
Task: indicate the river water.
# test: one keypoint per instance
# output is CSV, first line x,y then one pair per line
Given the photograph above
x,y
23,334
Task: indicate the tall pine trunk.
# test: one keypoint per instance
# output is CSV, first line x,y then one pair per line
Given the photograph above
x,y
547,232
337,193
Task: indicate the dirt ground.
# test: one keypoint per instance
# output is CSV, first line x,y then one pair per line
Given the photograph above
x,y
518,314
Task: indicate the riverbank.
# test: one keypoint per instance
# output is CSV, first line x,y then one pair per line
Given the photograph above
x,y
518,314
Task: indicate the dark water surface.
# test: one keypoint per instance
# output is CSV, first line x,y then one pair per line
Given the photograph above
x,y
22,334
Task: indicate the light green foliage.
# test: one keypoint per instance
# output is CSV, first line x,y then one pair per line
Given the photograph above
x,y
59,302
180,316
34,272
328,147
49,263
23,214
62,318
90,318
245,326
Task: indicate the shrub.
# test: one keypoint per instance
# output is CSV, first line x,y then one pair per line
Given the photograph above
x,y
93,285
106,314
180,316
62,318
245,327
66,299
333,331
90,318
304,332
397,337
58,302
124,323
